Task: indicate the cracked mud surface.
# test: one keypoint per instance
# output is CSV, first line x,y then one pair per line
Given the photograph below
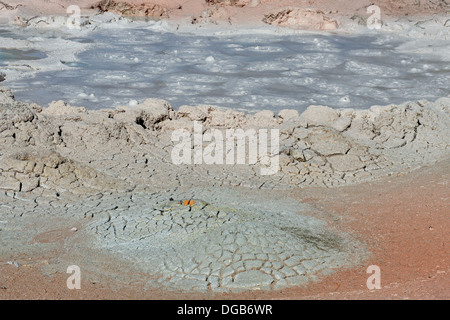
x,y
202,228
204,247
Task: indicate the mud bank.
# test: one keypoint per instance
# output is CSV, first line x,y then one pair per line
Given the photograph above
x,y
66,148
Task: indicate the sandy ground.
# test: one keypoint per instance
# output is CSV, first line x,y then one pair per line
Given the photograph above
x,y
405,223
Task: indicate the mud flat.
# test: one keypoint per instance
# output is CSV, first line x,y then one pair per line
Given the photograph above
x,y
204,228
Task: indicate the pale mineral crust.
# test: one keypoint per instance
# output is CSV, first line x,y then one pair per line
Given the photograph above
x,y
131,147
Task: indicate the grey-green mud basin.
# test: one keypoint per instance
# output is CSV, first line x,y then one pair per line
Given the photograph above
x,y
222,242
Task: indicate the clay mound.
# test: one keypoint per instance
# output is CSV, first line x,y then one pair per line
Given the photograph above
x,y
21,125
28,137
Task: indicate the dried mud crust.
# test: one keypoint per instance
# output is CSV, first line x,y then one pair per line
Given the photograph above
x,y
404,222
111,172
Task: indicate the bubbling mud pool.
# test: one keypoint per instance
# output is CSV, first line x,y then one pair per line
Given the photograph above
x,y
250,72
